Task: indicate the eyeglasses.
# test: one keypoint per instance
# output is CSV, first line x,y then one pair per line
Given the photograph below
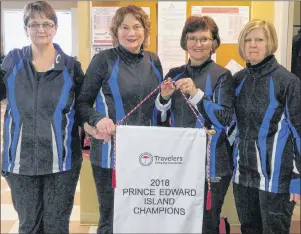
x,y
45,26
203,40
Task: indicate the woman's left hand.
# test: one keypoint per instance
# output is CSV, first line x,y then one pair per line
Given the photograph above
x,y
295,197
186,85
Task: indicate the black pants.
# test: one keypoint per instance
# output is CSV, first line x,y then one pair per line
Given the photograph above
x,y
211,218
263,212
44,203
105,194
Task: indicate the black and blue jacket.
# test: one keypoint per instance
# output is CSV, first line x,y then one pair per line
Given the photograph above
x,y
116,81
216,108
268,112
41,134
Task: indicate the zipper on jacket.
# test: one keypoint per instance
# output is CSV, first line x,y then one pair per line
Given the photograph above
x,y
35,124
140,94
248,127
183,105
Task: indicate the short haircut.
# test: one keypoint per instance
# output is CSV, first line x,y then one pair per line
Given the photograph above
x,y
118,18
269,31
195,23
39,7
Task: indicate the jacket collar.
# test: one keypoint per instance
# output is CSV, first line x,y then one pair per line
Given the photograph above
x,y
59,62
191,69
266,66
129,57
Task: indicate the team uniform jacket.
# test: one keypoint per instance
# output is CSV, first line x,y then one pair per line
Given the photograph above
x,y
41,133
117,81
267,146
215,107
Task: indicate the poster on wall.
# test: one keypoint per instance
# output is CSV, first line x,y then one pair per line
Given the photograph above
x,y
101,22
229,19
171,20
97,48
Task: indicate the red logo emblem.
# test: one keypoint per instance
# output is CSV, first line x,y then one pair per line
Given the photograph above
x,y
146,159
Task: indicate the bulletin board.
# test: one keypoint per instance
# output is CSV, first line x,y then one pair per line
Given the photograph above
x,y
153,17
225,52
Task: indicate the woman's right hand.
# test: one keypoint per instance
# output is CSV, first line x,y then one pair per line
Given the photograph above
x,y
167,88
106,128
93,131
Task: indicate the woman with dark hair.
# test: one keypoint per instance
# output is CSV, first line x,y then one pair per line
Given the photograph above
x,y
210,90
117,80
41,158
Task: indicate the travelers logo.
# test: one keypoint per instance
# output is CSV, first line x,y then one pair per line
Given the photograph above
x,y
146,159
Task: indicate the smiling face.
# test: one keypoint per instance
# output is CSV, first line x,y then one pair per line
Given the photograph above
x,y
256,46
199,45
131,33
40,30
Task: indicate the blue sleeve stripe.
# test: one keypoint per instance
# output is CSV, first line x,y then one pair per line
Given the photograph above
x,y
113,83
14,111
172,116
197,123
177,76
235,152
101,105
237,90
155,115
210,107
156,71
58,118
160,79
264,129
213,144
69,127
295,186
104,155
280,142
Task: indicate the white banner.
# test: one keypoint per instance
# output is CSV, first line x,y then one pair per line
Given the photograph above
x,y
160,174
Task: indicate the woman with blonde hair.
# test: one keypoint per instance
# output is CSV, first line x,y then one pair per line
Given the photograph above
x,y
266,179
117,80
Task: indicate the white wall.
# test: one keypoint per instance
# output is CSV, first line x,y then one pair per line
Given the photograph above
x,y
283,22
58,5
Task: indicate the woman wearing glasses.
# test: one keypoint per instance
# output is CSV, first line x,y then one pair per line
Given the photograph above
x,y
210,89
41,155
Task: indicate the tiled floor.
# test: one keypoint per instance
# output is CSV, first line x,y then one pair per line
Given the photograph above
x,y
9,218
